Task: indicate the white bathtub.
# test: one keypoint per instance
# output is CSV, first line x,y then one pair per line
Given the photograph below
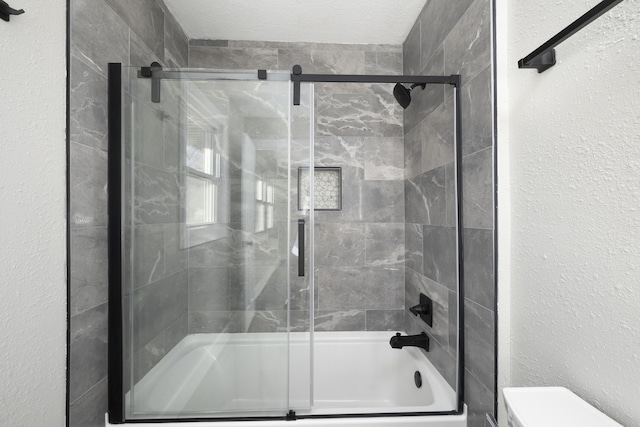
x,y
246,375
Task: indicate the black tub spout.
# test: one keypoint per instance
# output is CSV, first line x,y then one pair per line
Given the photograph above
x,y
420,340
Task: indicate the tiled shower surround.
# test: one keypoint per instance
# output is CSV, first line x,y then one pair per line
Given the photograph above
x,y
105,31
452,38
359,250
372,257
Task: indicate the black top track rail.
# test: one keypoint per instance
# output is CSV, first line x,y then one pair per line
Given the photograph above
x,y
297,77
156,74
363,78
544,57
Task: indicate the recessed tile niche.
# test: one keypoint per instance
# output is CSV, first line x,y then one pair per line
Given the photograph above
x,y
327,188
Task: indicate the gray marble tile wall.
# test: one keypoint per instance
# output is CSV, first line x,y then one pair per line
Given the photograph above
x,y
452,38
105,31
155,284
360,250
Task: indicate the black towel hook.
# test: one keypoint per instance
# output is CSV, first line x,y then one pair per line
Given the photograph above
x,y
6,11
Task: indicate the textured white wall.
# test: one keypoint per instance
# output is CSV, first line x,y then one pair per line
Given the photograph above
x,y
32,215
574,141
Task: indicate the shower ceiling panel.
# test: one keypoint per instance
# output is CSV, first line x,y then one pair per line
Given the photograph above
x,y
326,21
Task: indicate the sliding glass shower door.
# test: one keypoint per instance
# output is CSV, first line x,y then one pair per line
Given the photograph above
x,y
214,246
215,185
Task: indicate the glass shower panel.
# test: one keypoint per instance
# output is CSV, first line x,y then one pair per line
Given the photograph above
x,y
302,272
390,237
211,241
433,253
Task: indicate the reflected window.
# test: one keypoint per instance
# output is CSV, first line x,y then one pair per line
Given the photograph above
x,y
265,201
203,172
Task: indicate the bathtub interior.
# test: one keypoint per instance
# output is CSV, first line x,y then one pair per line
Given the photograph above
x,y
232,375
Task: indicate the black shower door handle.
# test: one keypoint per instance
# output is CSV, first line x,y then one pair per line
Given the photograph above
x,y
300,247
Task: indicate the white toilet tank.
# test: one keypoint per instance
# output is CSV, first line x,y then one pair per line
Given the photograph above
x,y
551,407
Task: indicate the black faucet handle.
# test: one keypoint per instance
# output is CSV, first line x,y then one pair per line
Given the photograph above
x,y
420,309
424,309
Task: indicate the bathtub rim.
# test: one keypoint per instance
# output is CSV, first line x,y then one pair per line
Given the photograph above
x,y
192,341
411,419
290,417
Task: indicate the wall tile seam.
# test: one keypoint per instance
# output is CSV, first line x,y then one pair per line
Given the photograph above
x,y
435,168
105,301
466,79
411,129
76,227
475,228
203,42
490,147
137,163
444,287
416,127
480,305
103,150
444,59
417,272
493,314
468,372
422,223
155,282
105,378
472,228
466,82
86,310
165,275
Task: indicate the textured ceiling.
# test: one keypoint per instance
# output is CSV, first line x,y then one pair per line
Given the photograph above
x,y
320,21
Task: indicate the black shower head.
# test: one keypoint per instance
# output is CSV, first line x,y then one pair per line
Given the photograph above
x,y
403,95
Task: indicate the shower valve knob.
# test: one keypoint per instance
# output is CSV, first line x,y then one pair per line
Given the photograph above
x,y
419,309
424,309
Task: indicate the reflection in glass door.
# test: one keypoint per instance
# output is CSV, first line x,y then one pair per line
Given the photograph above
x,y
213,249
